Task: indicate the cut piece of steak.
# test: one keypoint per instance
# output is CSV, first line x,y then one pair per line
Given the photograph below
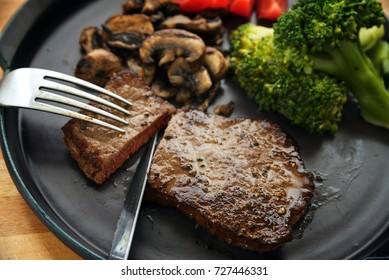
x,y
243,180
100,151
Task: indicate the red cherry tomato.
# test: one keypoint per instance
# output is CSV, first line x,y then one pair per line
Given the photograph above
x,y
192,6
242,8
271,9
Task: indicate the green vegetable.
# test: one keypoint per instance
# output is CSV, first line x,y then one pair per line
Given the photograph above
x,y
327,31
317,49
278,81
377,50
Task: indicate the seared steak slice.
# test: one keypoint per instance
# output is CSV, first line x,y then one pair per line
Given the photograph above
x,y
243,180
99,151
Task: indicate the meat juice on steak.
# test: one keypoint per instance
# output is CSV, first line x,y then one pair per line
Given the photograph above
x,y
242,180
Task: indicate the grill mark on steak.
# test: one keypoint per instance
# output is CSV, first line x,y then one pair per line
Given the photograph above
x,y
243,180
99,151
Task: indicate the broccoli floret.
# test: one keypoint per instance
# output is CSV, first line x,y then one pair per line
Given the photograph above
x,y
369,37
379,55
327,32
280,81
376,49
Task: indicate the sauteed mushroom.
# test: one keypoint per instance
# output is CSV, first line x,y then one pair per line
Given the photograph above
x,y
176,61
163,89
98,66
224,109
132,6
135,66
216,63
165,45
129,23
90,39
186,65
209,29
150,7
147,72
181,74
202,81
198,25
127,31
210,97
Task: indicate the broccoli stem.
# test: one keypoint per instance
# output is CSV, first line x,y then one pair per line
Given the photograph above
x,y
350,63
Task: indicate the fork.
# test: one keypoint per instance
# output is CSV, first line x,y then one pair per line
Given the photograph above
x,y
28,87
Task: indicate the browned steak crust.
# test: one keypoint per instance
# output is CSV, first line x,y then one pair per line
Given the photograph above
x,y
243,180
100,151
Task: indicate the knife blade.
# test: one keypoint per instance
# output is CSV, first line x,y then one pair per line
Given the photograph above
x,y
125,228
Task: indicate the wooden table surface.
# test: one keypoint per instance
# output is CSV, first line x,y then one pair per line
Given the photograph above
x,y
22,234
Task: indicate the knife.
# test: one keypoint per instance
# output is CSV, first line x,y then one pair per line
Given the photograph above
x,y
125,228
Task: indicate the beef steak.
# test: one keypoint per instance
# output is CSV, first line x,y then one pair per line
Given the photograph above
x,y
243,180
100,151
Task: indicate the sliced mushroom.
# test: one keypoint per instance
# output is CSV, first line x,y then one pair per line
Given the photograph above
x,y
149,73
216,63
135,67
180,74
168,55
202,81
224,110
157,18
129,41
167,7
215,41
98,66
127,31
151,6
166,91
177,21
170,8
183,96
171,43
163,90
90,39
146,72
209,29
198,25
212,92
132,6
129,23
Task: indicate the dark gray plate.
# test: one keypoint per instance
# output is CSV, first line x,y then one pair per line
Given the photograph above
x,y
350,215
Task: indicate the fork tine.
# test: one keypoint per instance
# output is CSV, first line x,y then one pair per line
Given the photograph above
x,y
43,84
71,102
76,92
68,113
80,82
